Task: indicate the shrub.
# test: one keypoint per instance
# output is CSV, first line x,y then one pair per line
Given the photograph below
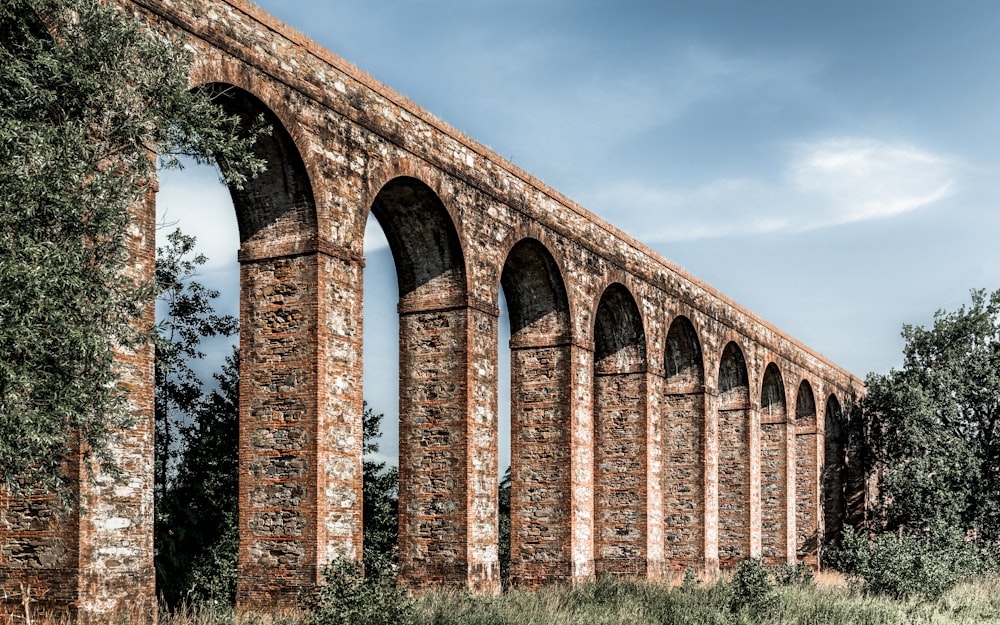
x,y
690,581
346,597
793,575
751,587
904,565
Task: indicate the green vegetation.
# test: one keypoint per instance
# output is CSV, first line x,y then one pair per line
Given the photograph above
x,y
619,602
196,539
933,427
88,99
380,484
903,565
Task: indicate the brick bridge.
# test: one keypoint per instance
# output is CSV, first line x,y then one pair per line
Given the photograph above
x,y
655,424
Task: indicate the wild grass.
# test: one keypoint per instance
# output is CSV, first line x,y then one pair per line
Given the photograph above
x,y
826,601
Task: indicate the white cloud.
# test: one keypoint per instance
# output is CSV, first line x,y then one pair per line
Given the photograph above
x,y
822,184
194,200
374,236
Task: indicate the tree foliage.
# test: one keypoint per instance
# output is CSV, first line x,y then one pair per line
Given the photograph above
x,y
934,425
189,317
196,535
197,458
503,527
381,503
88,99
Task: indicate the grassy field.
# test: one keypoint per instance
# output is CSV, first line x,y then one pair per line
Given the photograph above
x,y
826,601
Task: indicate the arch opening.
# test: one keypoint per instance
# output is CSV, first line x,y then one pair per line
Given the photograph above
x,y
734,457
540,419
834,472
684,457
277,206
274,211
806,476
425,247
196,402
773,468
620,436
434,352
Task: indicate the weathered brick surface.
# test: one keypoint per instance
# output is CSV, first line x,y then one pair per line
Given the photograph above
x,y
646,434
540,465
278,428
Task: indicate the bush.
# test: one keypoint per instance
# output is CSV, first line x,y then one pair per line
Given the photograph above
x,y
346,597
904,565
751,587
794,575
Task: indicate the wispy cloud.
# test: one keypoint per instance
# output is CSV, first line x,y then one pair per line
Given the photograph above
x,y
826,183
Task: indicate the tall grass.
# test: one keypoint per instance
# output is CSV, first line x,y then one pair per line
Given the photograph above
x,y
828,601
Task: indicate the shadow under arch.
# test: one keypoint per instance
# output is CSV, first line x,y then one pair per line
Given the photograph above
x,y
734,457
620,436
430,265
774,468
806,476
834,474
437,477
278,206
540,415
684,453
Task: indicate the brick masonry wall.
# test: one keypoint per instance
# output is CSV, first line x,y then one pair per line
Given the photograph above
x,y
433,440
706,464
540,465
620,474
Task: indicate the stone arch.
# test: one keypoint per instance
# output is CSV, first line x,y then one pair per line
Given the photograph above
x,y
278,206
540,415
434,405
384,173
773,467
430,265
684,456
734,457
620,435
536,294
277,219
806,478
834,477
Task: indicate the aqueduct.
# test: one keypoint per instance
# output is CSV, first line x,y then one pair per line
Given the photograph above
x,y
655,424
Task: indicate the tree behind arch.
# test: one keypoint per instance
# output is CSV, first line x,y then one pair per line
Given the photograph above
x,y
88,99
934,425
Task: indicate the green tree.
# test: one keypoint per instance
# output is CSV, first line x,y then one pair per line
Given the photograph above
x,y
381,503
88,99
197,536
934,425
189,317
503,527
196,485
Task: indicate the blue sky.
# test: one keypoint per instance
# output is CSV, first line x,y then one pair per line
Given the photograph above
x,y
831,166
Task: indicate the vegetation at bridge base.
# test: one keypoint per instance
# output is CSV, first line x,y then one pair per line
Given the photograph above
x,y
931,433
88,100
828,601
934,426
